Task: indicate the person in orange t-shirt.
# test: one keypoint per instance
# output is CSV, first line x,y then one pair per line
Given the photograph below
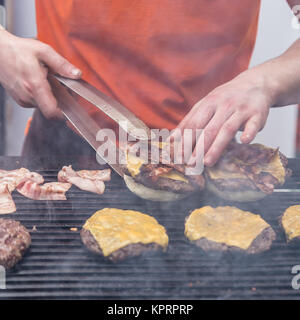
x,y
174,63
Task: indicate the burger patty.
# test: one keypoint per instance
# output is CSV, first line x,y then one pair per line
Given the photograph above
x,y
249,157
162,183
131,250
232,184
261,243
290,223
151,174
14,242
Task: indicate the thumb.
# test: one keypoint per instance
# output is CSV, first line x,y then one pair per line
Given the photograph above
x,y
58,64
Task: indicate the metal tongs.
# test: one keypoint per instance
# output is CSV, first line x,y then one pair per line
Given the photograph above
x,y
65,91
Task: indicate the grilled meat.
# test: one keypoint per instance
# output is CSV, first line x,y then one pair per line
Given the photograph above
x,y
120,234
148,176
164,175
228,229
9,180
87,180
14,242
253,168
129,251
13,177
261,243
47,191
7,204
290,222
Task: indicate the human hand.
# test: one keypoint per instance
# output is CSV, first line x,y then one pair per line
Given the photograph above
x,y
24,66
240,104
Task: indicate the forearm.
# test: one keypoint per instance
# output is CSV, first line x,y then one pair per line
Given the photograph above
x,y
281,77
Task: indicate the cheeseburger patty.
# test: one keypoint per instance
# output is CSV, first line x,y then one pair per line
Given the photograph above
x,y
14,241
261,243
247,172
290,222
165,175
131,250
120,234
228,229
147,178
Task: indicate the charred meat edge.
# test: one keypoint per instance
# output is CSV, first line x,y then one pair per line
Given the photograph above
x,y
162,183
129,251
261,243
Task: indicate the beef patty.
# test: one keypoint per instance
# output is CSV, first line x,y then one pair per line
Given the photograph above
x,y
131,250
228,229
117,234
290,222
14,241
249,167
261,243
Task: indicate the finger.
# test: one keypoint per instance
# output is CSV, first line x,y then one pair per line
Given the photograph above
x,y
20,95
57,63
26,104
46,101
252,127
199,116
22,100
190,128
213,127
209,133
223,138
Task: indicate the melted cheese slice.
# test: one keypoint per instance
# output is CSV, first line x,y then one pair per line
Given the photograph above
x,y
274,167
134,164
228,225
174,176
114,229
291,222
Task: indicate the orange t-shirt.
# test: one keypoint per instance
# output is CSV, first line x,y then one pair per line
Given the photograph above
x,y
157,57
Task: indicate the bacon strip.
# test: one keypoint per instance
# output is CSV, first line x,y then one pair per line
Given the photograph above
x,y
9,180
102,175
154,171
14,177
87,180
47,191
7,204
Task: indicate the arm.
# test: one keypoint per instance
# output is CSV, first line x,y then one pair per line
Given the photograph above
x,y
24,65
244,103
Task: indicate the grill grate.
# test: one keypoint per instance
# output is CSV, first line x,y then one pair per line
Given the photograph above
x,y
58,266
